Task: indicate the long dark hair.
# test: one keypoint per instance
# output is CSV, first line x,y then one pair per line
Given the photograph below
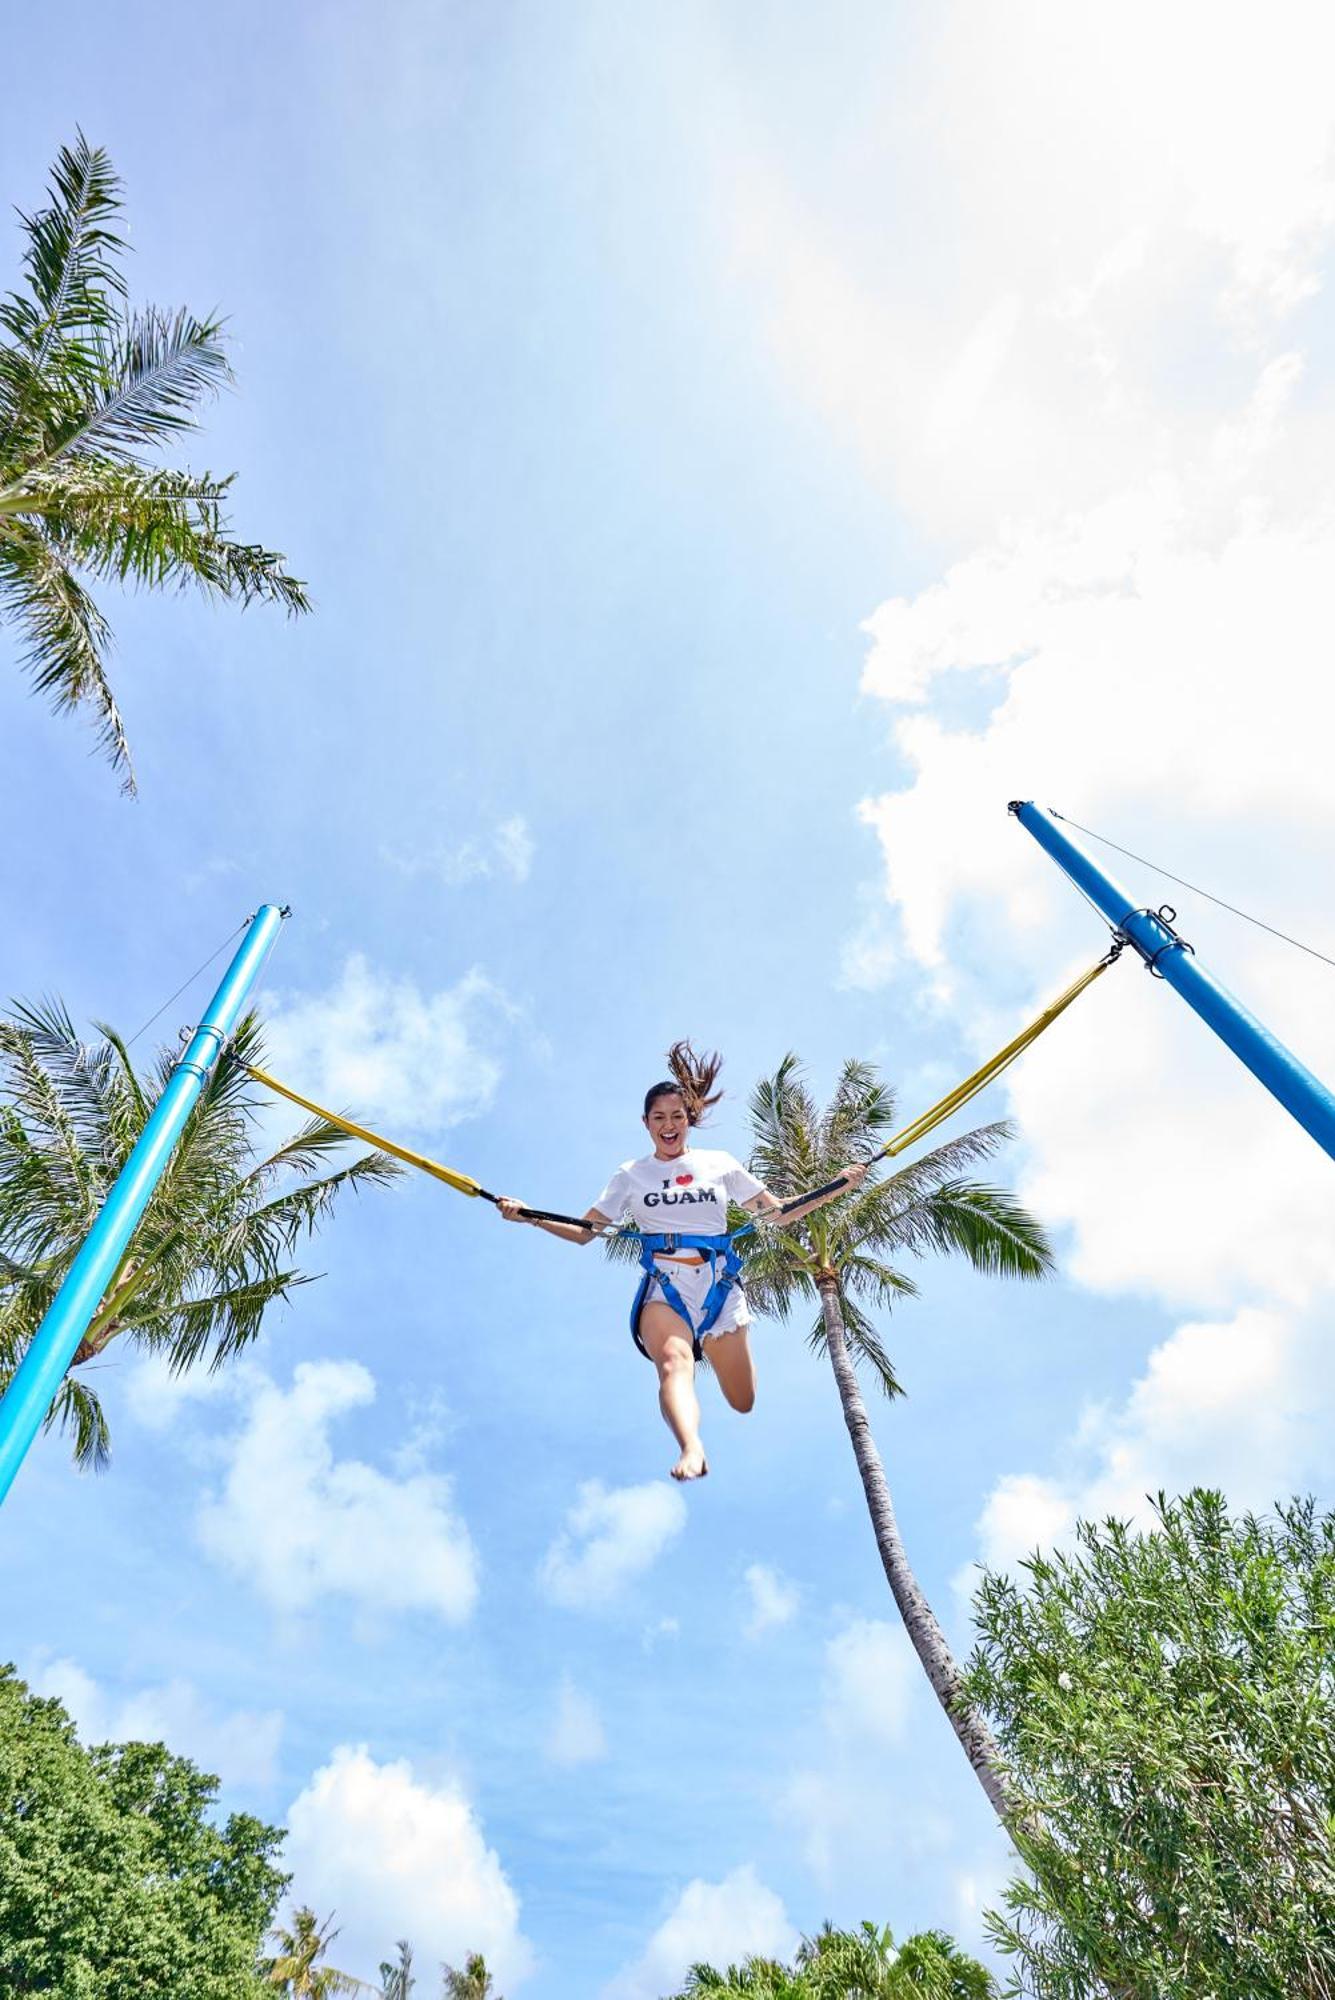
x,y
693,1079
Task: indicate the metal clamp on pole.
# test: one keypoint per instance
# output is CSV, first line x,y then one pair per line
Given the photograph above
x,y
1151,934
1165,917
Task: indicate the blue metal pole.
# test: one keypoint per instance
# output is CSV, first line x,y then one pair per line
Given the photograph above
x,y
1151,934
39,1375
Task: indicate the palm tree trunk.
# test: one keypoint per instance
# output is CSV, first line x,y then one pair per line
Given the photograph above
x,y
928,1640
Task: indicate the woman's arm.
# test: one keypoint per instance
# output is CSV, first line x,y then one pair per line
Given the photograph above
x,y
567,1232
848,1177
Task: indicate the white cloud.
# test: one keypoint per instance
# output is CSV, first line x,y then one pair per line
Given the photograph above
x,y
240,1746
772,1599
870,955
1111,406
576,1735
978,1889
398,1856
611,1536
381,1049
871,1682
662,1628
157,1395
721,1923
1024,1512
1242,1404
507,850
871,1677
515,847
299,1524
1037,281
1172,1173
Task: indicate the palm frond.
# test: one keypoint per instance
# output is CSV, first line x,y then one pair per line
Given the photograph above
x,y
866,1348
247,574
864,1344
926,1208
39,1198
66,638
988,1226
861,1110
79,1073
14,1271
134,523
160,367
951,1156
306,1150
39,1104
890,1212
219,1324
777,1271
299,1211
866,1277
133,1089
87,388
74,289
213,1251
70,262
623,1247
77,1411
151,526
785,1125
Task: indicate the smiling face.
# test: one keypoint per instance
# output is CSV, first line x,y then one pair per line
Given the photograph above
x,y
666,1123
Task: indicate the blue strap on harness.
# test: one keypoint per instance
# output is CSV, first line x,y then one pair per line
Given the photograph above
x,y
726,1264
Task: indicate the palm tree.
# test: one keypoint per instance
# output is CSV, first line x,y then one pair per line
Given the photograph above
x,y
840,1257
865,1964
927,1966
396,1981
297,1969
214,1249
473,1983
758,1978
930,1966
90,388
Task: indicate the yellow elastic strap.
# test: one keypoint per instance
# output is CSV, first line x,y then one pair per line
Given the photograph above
x,y
910,1136
991,1069
463,1182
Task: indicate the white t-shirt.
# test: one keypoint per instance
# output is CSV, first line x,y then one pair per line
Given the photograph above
x,y
689,1194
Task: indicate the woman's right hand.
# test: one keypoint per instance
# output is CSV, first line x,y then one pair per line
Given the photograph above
x,y
510,1208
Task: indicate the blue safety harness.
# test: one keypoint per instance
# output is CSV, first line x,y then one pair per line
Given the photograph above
x,y
720,1253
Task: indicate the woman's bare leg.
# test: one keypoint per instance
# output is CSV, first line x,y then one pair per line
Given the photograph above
x,y
670,1351
730,1358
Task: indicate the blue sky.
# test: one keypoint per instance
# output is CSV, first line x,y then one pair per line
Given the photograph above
x,y
605,370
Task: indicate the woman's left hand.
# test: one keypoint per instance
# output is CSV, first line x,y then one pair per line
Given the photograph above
x,y
856,1172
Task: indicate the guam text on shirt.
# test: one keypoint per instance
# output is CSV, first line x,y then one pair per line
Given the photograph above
x,y
690,1193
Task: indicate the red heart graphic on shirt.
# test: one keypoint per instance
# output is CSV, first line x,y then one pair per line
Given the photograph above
x,y
684,1180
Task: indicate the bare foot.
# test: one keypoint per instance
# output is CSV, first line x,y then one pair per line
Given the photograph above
x,y
692,1464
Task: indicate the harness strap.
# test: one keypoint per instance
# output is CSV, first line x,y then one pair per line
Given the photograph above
x,y
725,1265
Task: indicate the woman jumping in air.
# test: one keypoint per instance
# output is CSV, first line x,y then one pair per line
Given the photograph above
x,y
690,1302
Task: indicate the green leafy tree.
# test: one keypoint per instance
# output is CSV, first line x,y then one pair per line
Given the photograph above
x,y
473,1983
1166,1704
845,1258
865,1964
90,390
396,1980
927,1966
215,1248
114,1878
298,1968
758,1978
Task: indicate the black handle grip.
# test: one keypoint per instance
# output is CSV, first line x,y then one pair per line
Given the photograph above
x,y
814,1194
